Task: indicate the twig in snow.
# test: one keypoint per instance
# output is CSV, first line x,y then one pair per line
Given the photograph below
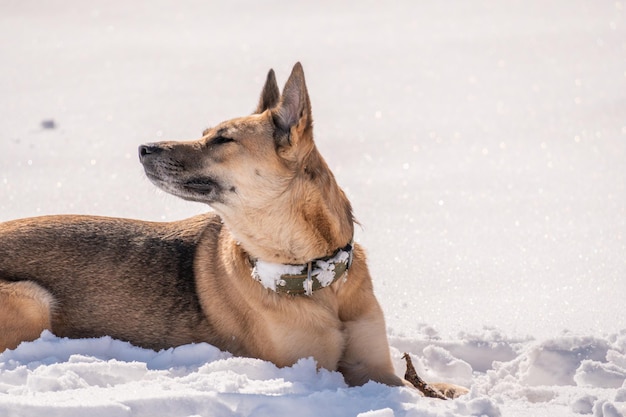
x,y
418,382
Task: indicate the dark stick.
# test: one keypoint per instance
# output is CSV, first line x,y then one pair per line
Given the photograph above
x,y
418,382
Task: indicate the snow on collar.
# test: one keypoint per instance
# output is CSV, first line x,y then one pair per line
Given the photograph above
x,y
304,279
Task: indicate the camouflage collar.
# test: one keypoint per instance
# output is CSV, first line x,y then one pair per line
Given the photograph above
x,y
306,278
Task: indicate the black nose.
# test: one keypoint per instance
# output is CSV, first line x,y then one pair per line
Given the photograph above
x,y
148,149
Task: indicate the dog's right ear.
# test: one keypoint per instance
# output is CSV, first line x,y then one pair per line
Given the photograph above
x,y
270,94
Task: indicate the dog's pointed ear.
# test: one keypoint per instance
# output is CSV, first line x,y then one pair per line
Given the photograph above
x,y
270,94
292,117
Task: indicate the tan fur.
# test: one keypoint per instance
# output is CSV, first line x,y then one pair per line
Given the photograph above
x,y
159,285
24,312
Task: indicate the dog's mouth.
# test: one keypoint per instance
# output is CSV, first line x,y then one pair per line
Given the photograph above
x,y
201,185
201,189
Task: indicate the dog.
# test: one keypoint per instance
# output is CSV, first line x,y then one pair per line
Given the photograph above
x,y
272,273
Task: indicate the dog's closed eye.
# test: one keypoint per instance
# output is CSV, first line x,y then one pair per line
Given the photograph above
x,y
220,140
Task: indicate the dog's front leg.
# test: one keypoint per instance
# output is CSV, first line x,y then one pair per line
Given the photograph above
x,y
366,356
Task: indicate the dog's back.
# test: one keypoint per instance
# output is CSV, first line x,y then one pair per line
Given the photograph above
x,y
123,278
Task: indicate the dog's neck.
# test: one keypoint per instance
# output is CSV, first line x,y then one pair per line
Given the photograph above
x,y
311,220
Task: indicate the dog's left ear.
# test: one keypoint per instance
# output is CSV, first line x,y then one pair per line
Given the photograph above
x,y
292,117
270,94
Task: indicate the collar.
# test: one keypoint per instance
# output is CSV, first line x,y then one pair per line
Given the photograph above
x,y
306,278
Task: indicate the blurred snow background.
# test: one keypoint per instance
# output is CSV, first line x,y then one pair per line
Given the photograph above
x,y
483,145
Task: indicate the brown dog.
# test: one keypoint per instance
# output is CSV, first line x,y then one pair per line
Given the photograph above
x,y
273,275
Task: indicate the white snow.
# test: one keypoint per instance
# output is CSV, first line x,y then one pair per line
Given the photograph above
x,y
481,143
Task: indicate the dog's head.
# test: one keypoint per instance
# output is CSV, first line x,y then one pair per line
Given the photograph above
x,y
249,159
263,174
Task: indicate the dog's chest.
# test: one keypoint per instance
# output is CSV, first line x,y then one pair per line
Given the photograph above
x,y
314,331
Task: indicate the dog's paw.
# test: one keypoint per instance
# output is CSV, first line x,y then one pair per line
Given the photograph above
x,y
449,390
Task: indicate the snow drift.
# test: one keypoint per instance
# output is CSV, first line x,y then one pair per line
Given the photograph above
x,y
106,377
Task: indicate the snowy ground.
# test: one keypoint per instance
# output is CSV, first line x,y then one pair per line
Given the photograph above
x,y
483,145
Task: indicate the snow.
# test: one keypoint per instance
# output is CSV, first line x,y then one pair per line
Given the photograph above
x,y
482,145
107,377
